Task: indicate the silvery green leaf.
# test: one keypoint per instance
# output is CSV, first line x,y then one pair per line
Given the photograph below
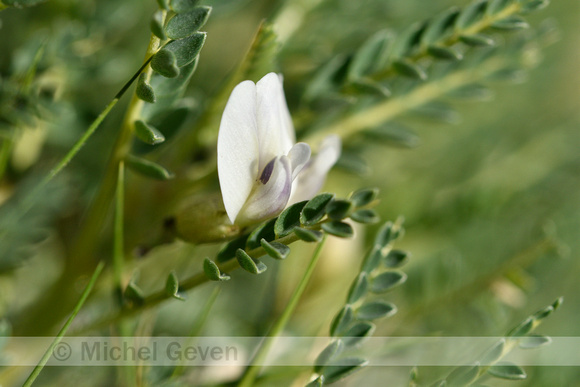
x,y
228,251
338,209
372,56
365,216
275,250
148,168
372,260
437,28
387,281
185,24
410,70
396,258
358,289
339,229
407,40
179,6
341,321
331,351
534,341
507,371
172,286
444,53
289,219
363,197
212,271
534,5
477,40
543,313
327,78
353,163
264,231
144,90
464,375
375,310
385,235
473,92
157,25
357,333
364,86
187,49
511,23
494,353
164,62
334,373
394,135
470,15
148,133
315,209
438,111
308,235
523,328
496,6
250,264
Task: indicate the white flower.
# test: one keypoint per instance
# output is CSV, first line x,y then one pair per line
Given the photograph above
x,y
261,170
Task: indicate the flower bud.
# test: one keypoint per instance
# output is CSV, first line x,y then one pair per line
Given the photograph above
x,y
203,219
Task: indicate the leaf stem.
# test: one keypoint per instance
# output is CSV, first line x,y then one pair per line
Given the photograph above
x,y
118,248
198,326
252,371
187,284
87,237
32,377
98,211
389,109
454,38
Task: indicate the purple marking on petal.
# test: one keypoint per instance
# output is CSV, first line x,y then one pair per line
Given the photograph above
x,y
267,172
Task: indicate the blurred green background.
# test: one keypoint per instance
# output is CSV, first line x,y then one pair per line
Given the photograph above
x,y
491,202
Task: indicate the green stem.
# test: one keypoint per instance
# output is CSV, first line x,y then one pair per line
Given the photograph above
x,y
189,283
64,329
198,326
252,371
389,109
510,343
454,38
86,240
80,142
185,285
93,127
118,248
97,213
127,375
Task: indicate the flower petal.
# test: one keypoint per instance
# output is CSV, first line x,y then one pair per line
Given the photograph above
x,y
270,194
313,175
238,148
299,155
286,117
275,130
